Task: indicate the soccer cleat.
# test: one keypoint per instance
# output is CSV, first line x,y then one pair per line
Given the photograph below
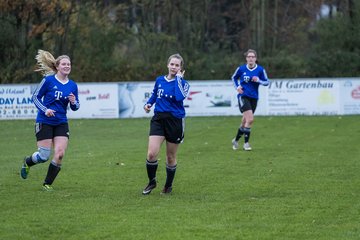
x,y
147,190
235,144
24,169
247,147
166,190
48,188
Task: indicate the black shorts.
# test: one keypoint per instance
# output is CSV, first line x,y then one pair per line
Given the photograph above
x,y
246,103
165,124
45,131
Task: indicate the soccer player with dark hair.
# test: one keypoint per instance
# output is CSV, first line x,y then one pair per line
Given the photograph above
x,y
168,123
52,97
246,80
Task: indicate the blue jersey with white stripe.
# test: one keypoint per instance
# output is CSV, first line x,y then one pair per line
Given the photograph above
x,y
242,77
53,94
169,95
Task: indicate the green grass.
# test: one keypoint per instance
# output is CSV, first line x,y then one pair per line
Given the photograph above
x,y
301,181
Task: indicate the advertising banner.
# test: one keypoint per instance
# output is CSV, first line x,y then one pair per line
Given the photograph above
x,y
303,97
132,98
206,98
350,96
16,102
97,100
216,98
213,98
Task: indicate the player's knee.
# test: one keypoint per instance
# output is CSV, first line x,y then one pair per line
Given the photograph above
x,y
250,120
171,160
59,154
42,155
151,155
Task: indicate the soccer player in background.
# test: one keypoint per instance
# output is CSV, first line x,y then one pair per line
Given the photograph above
x,y
246,80
52,97
168,123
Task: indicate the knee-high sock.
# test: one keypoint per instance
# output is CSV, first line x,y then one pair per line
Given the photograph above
x,y
247,132
170,174
240,132
53,171
30,162
151,168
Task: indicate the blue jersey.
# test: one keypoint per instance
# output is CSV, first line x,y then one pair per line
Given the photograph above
x,y
169,95
53,94
242,77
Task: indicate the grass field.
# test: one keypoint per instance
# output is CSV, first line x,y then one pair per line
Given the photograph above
x,y
301,181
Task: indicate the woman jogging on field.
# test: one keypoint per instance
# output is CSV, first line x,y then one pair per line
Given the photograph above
x,y
52,97
246,80
167,124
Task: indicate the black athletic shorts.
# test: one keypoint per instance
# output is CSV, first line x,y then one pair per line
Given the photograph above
x,y
165,124
45,131
246,103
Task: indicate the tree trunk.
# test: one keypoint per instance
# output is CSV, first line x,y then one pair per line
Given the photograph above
x,y
275,27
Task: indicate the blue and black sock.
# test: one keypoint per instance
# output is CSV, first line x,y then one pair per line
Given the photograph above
x,y
247,132
239,133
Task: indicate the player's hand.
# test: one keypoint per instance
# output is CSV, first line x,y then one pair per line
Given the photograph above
x,y
72,98
147,108
180,73
50,113
255,79
240,90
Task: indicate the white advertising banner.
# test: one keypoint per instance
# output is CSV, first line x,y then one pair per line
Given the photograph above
x,y
350,96
132,98
97,100
303,97
16,102
206,98
210,98
216,98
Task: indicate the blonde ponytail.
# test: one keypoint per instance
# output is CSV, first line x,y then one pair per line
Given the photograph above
x,y
46,63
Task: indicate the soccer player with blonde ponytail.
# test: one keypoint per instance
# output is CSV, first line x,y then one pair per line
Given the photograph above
x,y
52,97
